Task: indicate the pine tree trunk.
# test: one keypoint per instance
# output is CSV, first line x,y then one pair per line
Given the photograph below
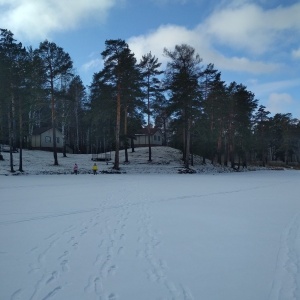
x,y
64,140
188,142
11,139
77,128
165,133
54,130
184,144
219,150
117,158
20,138
149,140
30,128
132,145
125,135
149,145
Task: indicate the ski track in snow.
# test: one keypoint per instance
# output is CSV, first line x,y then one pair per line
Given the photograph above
x,y
286,282
48,283
112,233
103,265
110,246
149,240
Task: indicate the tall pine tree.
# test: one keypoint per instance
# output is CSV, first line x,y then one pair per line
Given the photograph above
x,y
182,81
57,63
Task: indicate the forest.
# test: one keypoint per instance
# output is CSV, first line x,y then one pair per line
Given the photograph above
x,y
196,111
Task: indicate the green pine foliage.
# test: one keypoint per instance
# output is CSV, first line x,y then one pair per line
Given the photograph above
x,y
195,109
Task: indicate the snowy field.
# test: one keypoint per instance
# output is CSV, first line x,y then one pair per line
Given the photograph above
x,y
148,233
229,236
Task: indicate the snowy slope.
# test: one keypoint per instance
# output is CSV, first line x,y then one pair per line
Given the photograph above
x,y
164,160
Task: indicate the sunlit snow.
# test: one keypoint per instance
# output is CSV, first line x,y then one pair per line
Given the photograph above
x,y
161,235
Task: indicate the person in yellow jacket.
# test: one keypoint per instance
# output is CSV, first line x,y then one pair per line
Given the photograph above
x,y
95,168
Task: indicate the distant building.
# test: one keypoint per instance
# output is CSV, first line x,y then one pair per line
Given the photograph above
x,y
42,139
156,137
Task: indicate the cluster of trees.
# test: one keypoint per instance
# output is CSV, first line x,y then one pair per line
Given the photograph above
x,y
38,88
197,112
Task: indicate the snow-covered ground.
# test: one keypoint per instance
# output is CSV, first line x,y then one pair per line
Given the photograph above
x,y
213,236
164,160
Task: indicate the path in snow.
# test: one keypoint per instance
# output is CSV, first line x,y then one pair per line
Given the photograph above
x,y
151,237
94,243
287,276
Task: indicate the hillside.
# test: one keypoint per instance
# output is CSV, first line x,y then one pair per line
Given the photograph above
x,y
164,160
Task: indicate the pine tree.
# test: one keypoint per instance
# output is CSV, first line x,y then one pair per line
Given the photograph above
x,y
213,91
182,81
261,133
161,114
101,113
150,71
39,113
241,105
57,63
13,69
121,74
77,96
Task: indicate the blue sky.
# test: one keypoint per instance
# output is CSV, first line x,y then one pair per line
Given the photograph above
x,y
253,42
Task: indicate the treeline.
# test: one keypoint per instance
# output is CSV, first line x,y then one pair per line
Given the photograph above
x,y
196,111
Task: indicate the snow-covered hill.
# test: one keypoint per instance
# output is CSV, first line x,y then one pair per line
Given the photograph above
x,y
165,160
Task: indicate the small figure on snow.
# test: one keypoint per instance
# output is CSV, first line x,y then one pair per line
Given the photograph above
x,y
95,168
75,169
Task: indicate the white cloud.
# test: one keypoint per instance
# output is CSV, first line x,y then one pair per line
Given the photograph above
x,y
166,36
37,19
296,53
244,64
273,86
248,27
240,26
170,35
279,103
93,65
169,2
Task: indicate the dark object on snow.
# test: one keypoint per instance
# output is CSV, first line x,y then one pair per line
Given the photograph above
x,y
186,171
75,169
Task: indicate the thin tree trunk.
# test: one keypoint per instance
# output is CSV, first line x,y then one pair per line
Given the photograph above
x,y
20,138
125,134
184,143
165,132
30,129
64,139
88,141
149,140
54,130
149,145
11,139
53,123
188,140
14,126
219,149
117,158
77,125
191,150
